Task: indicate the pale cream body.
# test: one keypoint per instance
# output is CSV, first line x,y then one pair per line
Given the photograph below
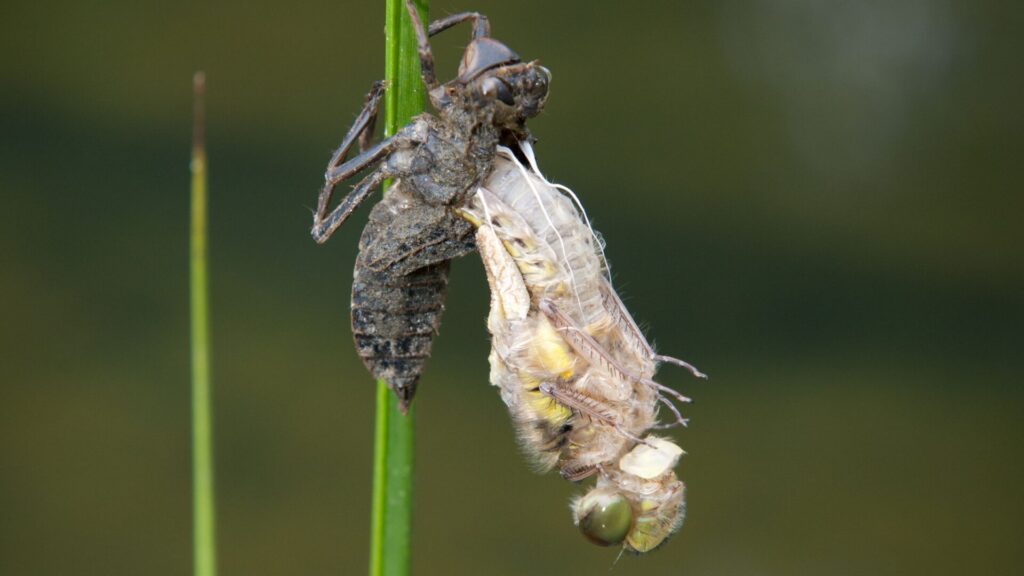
x,y
550,299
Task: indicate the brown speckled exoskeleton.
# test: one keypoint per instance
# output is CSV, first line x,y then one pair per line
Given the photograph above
x,y
435,163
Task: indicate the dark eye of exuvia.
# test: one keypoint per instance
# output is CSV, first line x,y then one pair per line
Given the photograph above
x,y
497,88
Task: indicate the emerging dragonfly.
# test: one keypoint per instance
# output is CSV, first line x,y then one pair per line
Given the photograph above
x,y
436,163
572,365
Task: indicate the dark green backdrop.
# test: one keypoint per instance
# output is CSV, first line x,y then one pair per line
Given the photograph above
x,y
817,202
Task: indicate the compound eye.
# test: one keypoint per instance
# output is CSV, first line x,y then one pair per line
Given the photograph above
x,y
497,88
604,518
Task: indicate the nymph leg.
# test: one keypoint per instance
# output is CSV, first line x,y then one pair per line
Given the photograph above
x,y
324,226
481,26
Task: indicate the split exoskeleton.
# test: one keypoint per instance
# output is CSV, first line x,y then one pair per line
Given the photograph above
x,y
571,364
436,163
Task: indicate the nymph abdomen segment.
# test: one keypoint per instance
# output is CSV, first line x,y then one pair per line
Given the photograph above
x,y
394,320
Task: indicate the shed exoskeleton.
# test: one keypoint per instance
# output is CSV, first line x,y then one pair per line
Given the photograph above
x,y
435,163
570,362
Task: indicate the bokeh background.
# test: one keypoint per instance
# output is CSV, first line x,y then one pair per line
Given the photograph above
x,y
817,202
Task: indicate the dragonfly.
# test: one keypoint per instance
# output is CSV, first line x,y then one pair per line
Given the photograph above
x,y
569,360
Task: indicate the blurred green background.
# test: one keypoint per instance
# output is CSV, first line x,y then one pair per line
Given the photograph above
x,y
817,202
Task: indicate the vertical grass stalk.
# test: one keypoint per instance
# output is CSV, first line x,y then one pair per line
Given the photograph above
x,y
203,524
391,524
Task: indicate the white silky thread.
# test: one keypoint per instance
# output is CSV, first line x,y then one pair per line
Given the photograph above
x,y
527,149
561,241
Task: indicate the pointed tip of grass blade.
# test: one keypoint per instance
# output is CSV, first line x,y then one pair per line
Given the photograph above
x,y
198,112
203,503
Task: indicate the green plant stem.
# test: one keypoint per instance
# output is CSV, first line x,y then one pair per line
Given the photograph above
x,y
394,439
203,518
